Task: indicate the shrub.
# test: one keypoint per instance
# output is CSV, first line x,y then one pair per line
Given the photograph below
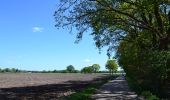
x,y
149,96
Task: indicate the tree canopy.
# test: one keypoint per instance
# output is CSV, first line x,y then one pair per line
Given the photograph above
x,y
111,65
111,20
138,30
70,68
91,69
95,67
88,69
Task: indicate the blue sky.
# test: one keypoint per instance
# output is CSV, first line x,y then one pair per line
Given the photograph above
x,y
29,40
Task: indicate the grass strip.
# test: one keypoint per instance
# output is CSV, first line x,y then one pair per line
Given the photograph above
x,y
86,93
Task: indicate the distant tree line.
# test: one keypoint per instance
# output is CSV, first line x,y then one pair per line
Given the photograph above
x,y
13,70
91,69
111,65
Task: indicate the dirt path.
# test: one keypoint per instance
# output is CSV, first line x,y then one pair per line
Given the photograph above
x,y
115,90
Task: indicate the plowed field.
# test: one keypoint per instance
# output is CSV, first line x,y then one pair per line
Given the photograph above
x,y
43,86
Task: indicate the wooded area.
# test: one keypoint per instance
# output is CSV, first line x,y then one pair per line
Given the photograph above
x,y
138,30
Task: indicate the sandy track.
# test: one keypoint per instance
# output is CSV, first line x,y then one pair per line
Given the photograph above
x,y
116,89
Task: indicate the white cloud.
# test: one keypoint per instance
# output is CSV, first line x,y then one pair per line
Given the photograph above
x,y
87,60
37,29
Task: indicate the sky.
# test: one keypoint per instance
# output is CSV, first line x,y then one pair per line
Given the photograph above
x,y
30,41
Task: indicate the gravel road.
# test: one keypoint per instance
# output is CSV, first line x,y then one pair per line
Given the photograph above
x,y
116,89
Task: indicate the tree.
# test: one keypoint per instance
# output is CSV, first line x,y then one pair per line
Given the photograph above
x,y
145,68
55,71
70,68
7,70
111,65
95,67
87,69
14,70
139,30
111,20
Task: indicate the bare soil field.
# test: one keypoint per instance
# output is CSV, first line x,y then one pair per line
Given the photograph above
x,y
44,86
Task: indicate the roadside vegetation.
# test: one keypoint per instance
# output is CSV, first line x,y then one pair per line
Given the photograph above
x,y
86,93
137,30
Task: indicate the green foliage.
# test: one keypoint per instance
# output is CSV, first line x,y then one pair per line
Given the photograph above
x,y
7,70
12,70
111,65
70,68
134,85
86,93
139,30
111,20
149,96
87,70
91,69
83,95
146,68
59,71
95,68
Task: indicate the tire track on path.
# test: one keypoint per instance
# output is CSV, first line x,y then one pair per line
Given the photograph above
x,y
116,89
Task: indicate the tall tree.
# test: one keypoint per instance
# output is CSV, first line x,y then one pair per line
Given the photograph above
x,y
70,68
88,69
111,65
111,20
95,68
139,30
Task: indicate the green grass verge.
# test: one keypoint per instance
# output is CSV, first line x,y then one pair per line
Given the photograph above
x,y
88,91
83,95
149,96
140,91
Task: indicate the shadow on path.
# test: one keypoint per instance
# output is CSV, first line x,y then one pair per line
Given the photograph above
x,y
116,89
